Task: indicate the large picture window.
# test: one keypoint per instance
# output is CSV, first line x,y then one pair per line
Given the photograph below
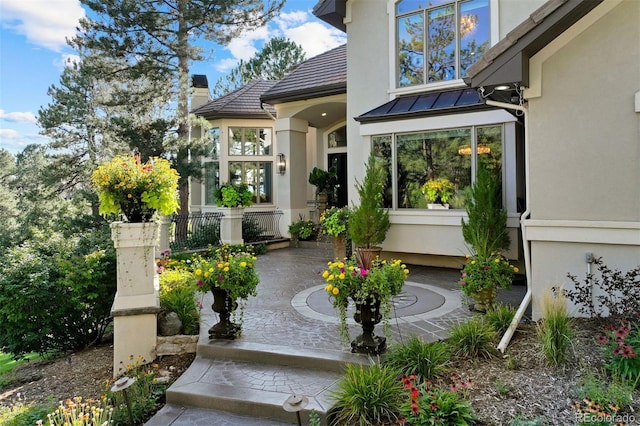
x,y
249,141
440,40
257,175
451,155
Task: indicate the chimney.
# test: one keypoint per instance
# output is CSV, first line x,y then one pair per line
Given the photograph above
x,y
200,93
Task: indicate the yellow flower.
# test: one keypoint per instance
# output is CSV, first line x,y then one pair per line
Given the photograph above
x,y
220,265
325,274
207,274
406,272
340,265
341,276
198,271
473,262
330,277
516,270
497,260
226,269
243,264
335,290
328,287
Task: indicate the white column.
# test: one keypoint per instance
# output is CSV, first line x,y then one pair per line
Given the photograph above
x,y
291,134
136,303
231,225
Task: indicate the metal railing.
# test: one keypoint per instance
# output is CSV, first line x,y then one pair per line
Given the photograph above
x,y
194,231
258,226
197,231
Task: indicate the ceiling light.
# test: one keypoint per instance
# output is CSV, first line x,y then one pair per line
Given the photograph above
x,y
324,114
503,87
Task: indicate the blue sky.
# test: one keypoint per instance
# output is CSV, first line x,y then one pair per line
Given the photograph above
x,y
33,51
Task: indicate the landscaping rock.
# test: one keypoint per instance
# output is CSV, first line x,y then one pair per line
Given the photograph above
x,y
169,324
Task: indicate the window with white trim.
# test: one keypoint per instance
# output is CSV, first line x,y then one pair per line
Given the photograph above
x,y
258,175
437,40
414,159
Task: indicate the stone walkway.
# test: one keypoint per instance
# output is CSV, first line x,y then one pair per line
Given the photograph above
x,y
290,342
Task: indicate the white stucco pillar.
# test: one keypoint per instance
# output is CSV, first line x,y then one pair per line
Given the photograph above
x,y
291,136
231,225
136,303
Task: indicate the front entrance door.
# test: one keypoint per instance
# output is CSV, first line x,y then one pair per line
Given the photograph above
x,y
339,160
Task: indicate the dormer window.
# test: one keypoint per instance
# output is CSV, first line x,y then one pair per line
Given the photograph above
x,y
437,40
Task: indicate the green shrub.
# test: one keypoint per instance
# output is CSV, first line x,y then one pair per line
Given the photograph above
x,y
554,329
367,395
499,317
473,338
427,360
251,230
523,421
177,294
203,236
20,414
605,392
303,229
56,292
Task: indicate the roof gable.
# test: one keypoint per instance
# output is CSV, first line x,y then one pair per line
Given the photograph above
x,y
508,61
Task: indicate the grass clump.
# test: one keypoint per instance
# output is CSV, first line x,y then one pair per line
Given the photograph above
x,y
555,328
367,395
499,317
473,338
427,360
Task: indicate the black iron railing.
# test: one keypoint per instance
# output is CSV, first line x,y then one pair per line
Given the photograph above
x,y
261,226
200,230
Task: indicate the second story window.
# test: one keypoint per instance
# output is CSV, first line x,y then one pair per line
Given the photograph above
x,y
249,141
437,40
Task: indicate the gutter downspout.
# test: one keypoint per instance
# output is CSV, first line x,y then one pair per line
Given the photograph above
x,y
267,111
506,338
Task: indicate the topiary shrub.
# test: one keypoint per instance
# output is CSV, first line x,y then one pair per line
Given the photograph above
x,y
56,292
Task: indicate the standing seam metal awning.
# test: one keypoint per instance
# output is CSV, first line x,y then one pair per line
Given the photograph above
x,y
426,104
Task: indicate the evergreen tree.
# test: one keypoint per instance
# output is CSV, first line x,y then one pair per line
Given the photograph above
x,y
156,41
274,61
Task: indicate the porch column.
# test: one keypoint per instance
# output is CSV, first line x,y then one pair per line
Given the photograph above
x,y
291,137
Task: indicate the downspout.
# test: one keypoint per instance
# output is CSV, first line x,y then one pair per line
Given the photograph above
x,y
267,111
506,338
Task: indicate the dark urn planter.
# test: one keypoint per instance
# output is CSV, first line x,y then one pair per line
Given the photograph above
x,y
368,315
223,305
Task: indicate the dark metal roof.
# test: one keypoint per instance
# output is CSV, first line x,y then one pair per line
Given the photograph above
x,y
320,76
241,103
332,12
425,104
508,61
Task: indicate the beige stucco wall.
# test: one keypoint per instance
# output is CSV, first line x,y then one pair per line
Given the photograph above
x,y
584,144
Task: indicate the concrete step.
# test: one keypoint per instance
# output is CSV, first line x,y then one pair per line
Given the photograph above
x,y
323,360
252,389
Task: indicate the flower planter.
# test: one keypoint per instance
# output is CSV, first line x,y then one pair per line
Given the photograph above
x,y
366,256
224,306
339,247
437,206
368,315
485,299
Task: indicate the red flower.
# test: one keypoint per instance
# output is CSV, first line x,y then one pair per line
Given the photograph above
x,y
415,393
415,408
601,339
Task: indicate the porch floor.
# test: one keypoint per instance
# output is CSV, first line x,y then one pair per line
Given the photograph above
x,y
290,343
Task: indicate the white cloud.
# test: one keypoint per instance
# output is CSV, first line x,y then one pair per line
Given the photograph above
x,y
8,134
17,117
315,38
43,22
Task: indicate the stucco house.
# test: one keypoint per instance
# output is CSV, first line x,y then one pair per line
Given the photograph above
x,y
545,94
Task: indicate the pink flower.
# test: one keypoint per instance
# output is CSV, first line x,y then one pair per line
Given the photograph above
x,y
463,282
363,272
221,277
601,339
200,283
464,274
486,268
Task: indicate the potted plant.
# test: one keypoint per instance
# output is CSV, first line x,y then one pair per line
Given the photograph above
x,y
302,230
371,289
325,182
486,232
335,222
233,195
230,275
127,186
438,192
369,221
232,199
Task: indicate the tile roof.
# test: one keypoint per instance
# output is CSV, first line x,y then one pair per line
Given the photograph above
x,y
241,103
322,75
425,104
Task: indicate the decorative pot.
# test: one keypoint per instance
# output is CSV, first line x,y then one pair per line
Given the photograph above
x,y
366,256
323,200
485,298
368,315
339,247
223,305
136,211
